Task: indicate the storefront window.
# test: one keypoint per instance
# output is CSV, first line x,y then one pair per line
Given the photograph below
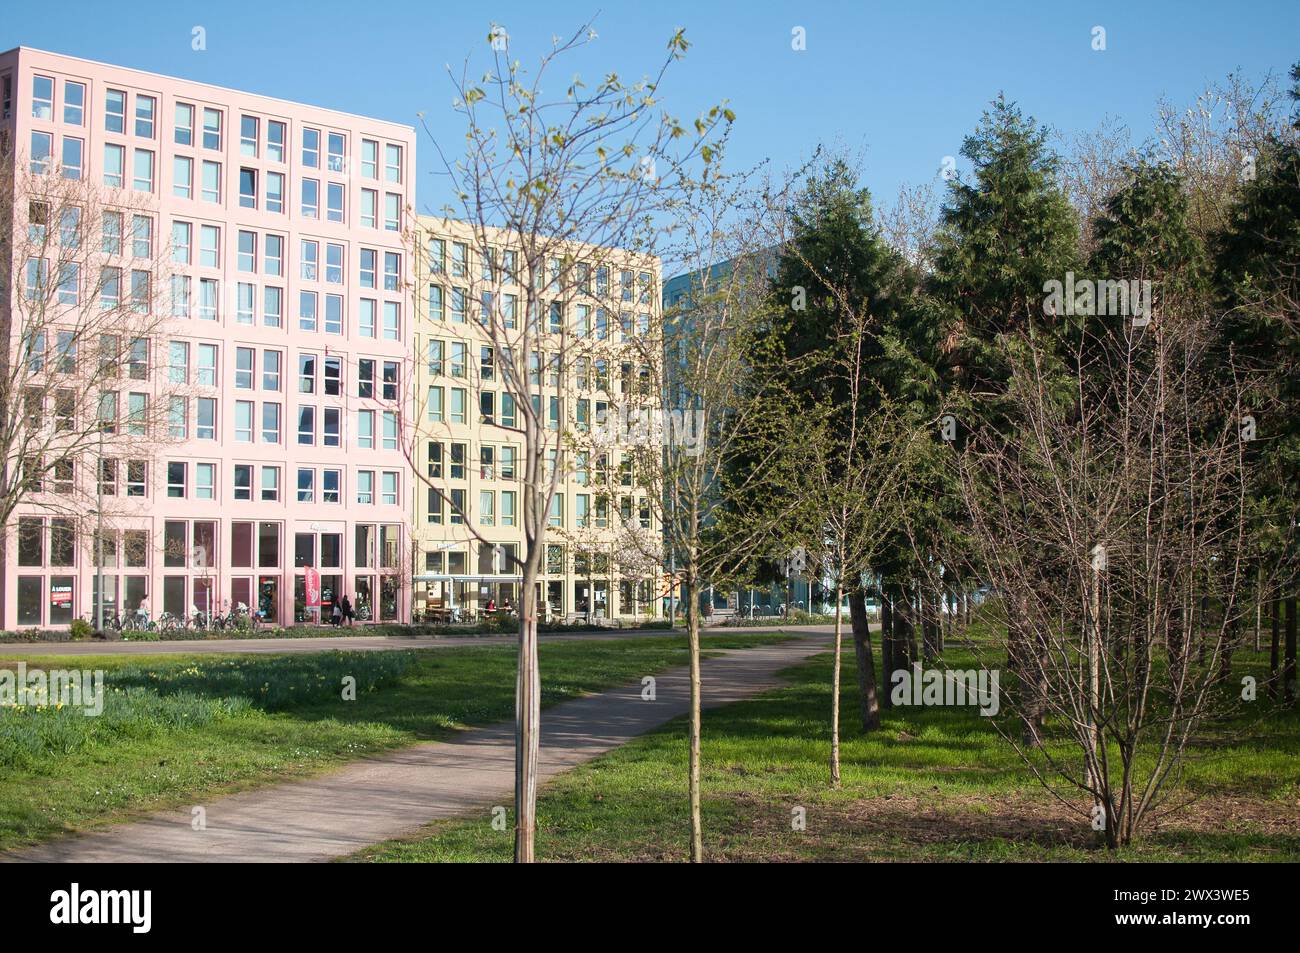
x,y
30,593
61,593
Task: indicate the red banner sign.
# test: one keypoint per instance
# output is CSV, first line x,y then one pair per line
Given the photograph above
x,y
313,586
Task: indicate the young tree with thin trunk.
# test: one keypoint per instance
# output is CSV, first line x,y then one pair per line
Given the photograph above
x,y
557,172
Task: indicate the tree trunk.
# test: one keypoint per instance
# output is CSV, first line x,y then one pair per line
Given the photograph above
x,y
835,686
693,783
527,728
887,642
869,702
1288,666
1275,650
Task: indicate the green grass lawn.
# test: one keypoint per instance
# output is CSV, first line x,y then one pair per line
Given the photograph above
x,y
177,728
932,784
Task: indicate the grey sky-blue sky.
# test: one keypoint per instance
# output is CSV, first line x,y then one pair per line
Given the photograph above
x,y
900,82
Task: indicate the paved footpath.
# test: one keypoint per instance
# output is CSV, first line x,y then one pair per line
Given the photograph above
x,y
356,643
394,794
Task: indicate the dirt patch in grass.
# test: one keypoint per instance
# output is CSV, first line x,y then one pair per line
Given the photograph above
x,y
906,827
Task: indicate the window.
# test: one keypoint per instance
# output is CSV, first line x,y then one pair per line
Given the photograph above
x,y
245,358
138,360
369,208
243,482
334,202
178,361
331,435
366,318
274,260
211,188
369,159
208,365
275,192
182,233
366,429
145,110
248,135
487,463
458,518
209,246
435,460
365,378
42,97
508,465
311,148
459,451
276,141
182,177
487,407
205,481
246,252
243,421
458,305
208,294
176,479
183,135
245,293
310,198
331,482
390,380
437,251
111,241
270,485
487,508
368,264
333,385
270,422
392,271
365,486
392,212
487,365
307,310
178,418
555,517
434,357
457,405
392,321
73,157
459,260
271,370
507,507
212,129
306,485
306,373
307,426
115,111
272,307
114,164
309,258
392,163
507,409
142,236
136,477
434,507
333,264
247,188
435,303
142,180
388,488
390,430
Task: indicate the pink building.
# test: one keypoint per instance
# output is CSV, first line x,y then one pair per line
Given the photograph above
x,y
290,330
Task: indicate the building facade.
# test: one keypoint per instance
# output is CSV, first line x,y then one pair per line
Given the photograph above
x,y
287,343
468,442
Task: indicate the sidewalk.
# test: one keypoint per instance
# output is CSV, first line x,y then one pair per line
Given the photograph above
x,y
379,798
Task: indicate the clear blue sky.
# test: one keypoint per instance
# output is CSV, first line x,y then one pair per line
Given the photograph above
x,y
903,81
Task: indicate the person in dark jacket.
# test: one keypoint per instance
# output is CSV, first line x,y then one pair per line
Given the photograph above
x,y
346,608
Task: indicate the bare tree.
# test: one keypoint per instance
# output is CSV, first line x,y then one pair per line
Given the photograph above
x,y
90,299
1105,521
555,173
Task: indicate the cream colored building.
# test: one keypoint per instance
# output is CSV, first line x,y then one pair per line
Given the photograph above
x,y
596,337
